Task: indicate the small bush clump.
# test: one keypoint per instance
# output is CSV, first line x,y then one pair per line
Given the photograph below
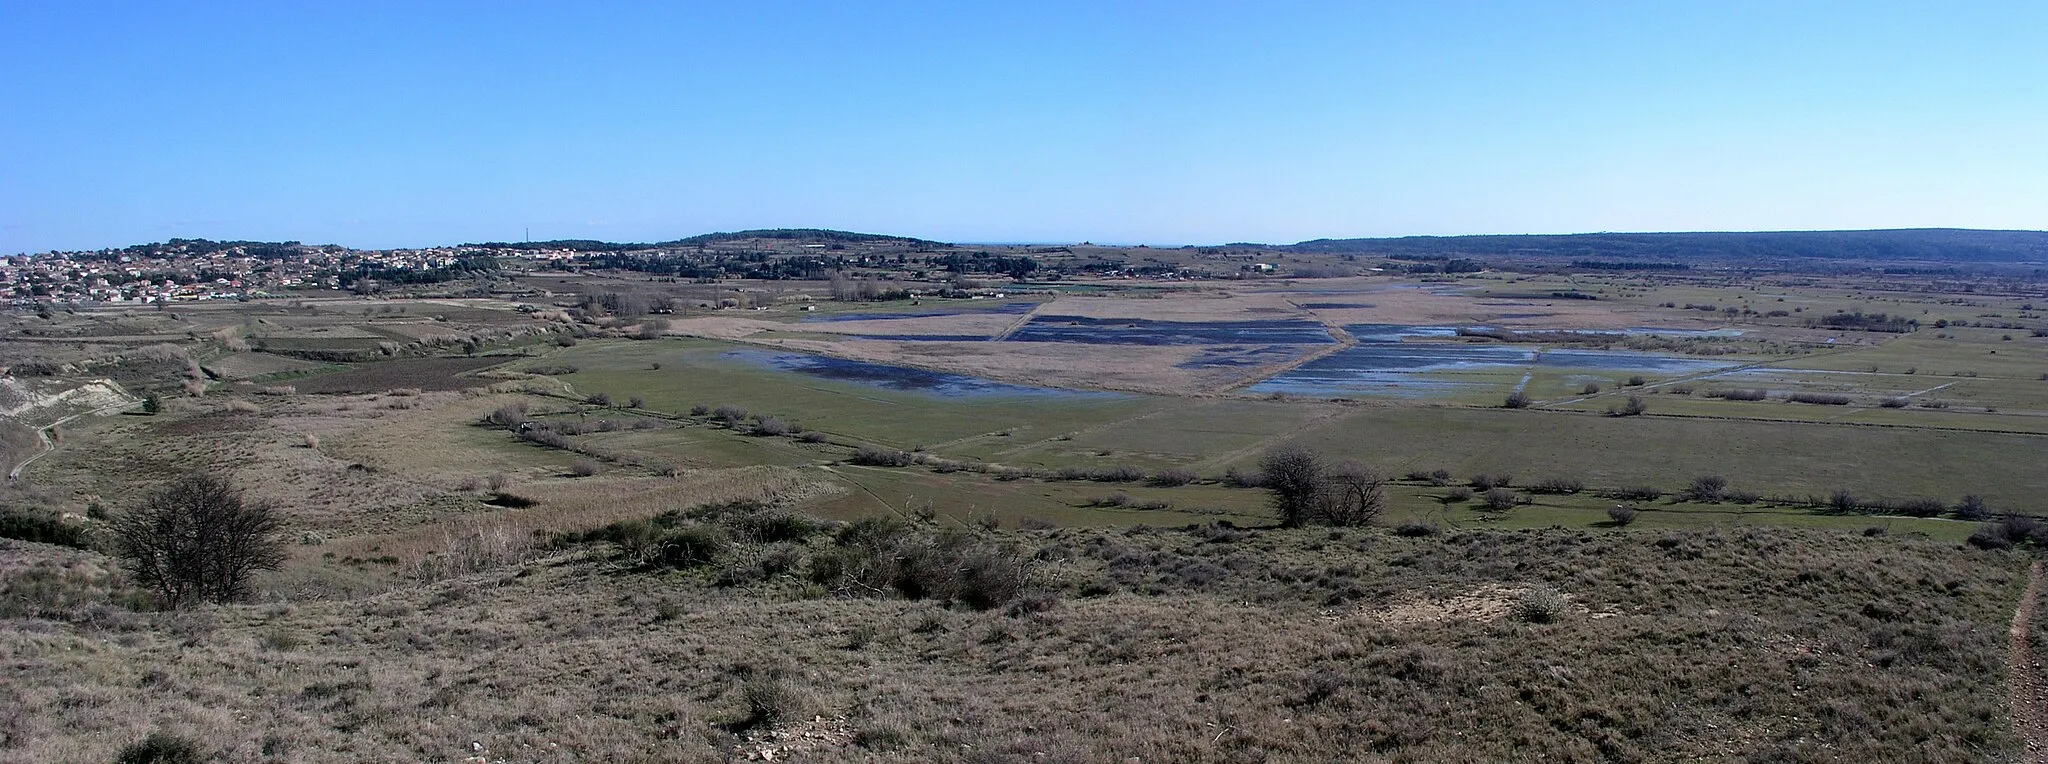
x,y
1558,485
871,456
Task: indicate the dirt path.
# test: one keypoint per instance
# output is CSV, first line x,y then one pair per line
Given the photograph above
x,y
43,434
2023,678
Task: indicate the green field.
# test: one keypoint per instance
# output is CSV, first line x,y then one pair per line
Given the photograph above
x,y
1788,451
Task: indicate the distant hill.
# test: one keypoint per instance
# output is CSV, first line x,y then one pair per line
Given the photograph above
x,y
817,235
1945,245
803,235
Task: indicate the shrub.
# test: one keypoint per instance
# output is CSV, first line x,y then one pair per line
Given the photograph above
x,y
771,426
1237,478
1739,395
687,548
1844,502
1591,388
1621,516
878,457
1707,488
636,402
1416,530
197,539
1923,507
1484,481
161,748
1972,507
1635,381
1119,474
729,414
1541,604
1457,494
811,436
583,468
699,410
1558,485
1894,403
1516,400
599,399
1633,406
40,527
1173,477
1634,493
1824,399
1500,499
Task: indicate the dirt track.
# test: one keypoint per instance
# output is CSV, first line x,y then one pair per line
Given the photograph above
x,y
2023,677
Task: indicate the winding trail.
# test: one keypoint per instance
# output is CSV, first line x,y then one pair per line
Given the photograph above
x,y
2023,678
50,444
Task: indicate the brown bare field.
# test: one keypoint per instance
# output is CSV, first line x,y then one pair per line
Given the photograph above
x,y
400,374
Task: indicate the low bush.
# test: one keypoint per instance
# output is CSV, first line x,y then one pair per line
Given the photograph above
x,y
1540,605
1706,488
161,748
1484,481
1500,499
1174,477
1739,395
1922,507
1633,493
1972,507
880,457
1621,516
1416,530
1824,399
1118,474
1557,485
41,527
1457,494
1894,403
1516,400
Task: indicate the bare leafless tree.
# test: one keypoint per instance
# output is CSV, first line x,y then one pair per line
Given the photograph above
x,y
198,540
1350,495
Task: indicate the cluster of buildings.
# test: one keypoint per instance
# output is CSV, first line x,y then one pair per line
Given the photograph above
x,y
184,270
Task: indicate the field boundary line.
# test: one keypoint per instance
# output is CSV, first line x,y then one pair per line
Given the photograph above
x,y
1021,322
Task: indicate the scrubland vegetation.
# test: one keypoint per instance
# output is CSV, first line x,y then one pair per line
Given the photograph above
x,y
568,534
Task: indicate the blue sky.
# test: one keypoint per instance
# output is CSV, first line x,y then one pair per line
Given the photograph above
x,y
410,124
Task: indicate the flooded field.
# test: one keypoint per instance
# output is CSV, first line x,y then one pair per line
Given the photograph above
x,y
1240,357
901,378
1138,331
1411,361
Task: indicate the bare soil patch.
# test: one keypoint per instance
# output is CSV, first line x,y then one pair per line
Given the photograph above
x,y
426,374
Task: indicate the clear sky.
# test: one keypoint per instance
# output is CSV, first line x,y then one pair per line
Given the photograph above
x,y
377,124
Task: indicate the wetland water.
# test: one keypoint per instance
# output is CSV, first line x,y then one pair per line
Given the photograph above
x,y
1385,362
902,378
